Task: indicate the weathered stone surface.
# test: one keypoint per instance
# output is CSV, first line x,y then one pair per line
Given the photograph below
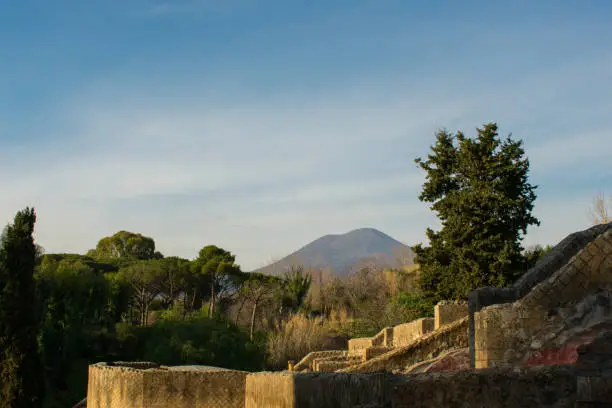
x,y
448,311
429,346
121,386
318,390
542,387
449,361
503,332
406,333
306,362
553,261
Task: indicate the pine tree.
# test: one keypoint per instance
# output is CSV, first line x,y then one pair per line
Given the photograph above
x,y
21,383
480,190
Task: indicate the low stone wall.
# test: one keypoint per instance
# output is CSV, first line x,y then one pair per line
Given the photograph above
x,y
115,386
406,333
383,338
402,335
359,344
318,390
373,352
542,387
450,336
306,362
448,311
329,366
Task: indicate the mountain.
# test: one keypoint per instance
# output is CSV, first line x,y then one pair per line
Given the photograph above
x,y
346,252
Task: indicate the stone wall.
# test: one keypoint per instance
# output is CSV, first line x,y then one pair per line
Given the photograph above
x,y
115,386
504,331
406,333
383,338
448,311
552,262
445,312
318,390
306,362
359,344
452,336
542,387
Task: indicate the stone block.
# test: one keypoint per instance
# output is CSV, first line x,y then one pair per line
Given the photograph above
x,y
446,312
359,343
405,334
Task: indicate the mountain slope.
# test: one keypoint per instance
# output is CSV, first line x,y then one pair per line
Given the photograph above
x,y
345,252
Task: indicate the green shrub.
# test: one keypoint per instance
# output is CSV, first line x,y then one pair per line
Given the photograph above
x,y
415,306
197,341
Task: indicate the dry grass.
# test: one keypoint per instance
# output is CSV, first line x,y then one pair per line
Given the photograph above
x,y
298,336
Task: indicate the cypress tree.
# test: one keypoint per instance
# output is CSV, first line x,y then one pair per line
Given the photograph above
x,y
21,383
481,193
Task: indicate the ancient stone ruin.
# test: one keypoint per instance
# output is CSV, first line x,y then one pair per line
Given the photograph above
x,y
545,341
397,347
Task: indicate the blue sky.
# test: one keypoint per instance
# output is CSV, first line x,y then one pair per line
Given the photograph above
x,y
260,125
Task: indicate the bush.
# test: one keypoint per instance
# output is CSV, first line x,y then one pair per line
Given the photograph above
x,y
414,306
198,341
177,313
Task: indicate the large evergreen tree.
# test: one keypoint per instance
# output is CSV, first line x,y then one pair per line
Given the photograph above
x,y
480,190
20,372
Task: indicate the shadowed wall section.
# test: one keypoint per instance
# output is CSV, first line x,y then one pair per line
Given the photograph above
x,y
318,390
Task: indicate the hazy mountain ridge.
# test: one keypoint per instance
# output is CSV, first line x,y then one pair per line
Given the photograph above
x,y
345,252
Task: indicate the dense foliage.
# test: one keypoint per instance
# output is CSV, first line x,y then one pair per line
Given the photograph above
x,y
480,191
20,375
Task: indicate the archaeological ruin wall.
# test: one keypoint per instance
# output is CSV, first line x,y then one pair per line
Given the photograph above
x,y
555,260
504,332
152,386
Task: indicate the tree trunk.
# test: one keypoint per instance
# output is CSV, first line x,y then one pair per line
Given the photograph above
x,y
193,299
239,310
211,310
253,318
